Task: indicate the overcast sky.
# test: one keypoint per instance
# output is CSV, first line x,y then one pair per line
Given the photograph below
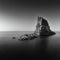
x,y
21,15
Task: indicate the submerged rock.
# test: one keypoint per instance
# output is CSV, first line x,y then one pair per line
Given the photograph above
x,y
13,37
43,28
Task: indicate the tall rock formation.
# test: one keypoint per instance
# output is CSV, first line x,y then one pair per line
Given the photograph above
x,y
42,27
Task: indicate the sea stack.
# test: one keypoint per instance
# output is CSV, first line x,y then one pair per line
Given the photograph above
x,y
43,28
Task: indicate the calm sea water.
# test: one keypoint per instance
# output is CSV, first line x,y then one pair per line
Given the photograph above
x,y
45,46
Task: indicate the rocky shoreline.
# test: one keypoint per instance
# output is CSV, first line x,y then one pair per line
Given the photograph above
x,y
42,29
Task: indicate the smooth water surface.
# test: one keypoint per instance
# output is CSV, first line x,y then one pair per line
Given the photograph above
x,y
41,46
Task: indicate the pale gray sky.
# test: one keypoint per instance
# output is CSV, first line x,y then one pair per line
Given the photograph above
x,y
18,15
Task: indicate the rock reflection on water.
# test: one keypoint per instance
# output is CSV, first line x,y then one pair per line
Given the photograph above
x,y
42,46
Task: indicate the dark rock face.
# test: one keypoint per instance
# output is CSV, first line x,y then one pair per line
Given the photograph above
x,y
13,37
42,27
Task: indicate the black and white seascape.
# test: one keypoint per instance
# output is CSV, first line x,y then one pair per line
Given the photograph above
x,y
29,29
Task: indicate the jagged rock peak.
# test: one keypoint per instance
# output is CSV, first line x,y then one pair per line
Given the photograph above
x,y
42,21
42,27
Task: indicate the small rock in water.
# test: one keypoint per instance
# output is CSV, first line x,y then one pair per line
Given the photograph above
x,y
23,37
32,36
13,37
